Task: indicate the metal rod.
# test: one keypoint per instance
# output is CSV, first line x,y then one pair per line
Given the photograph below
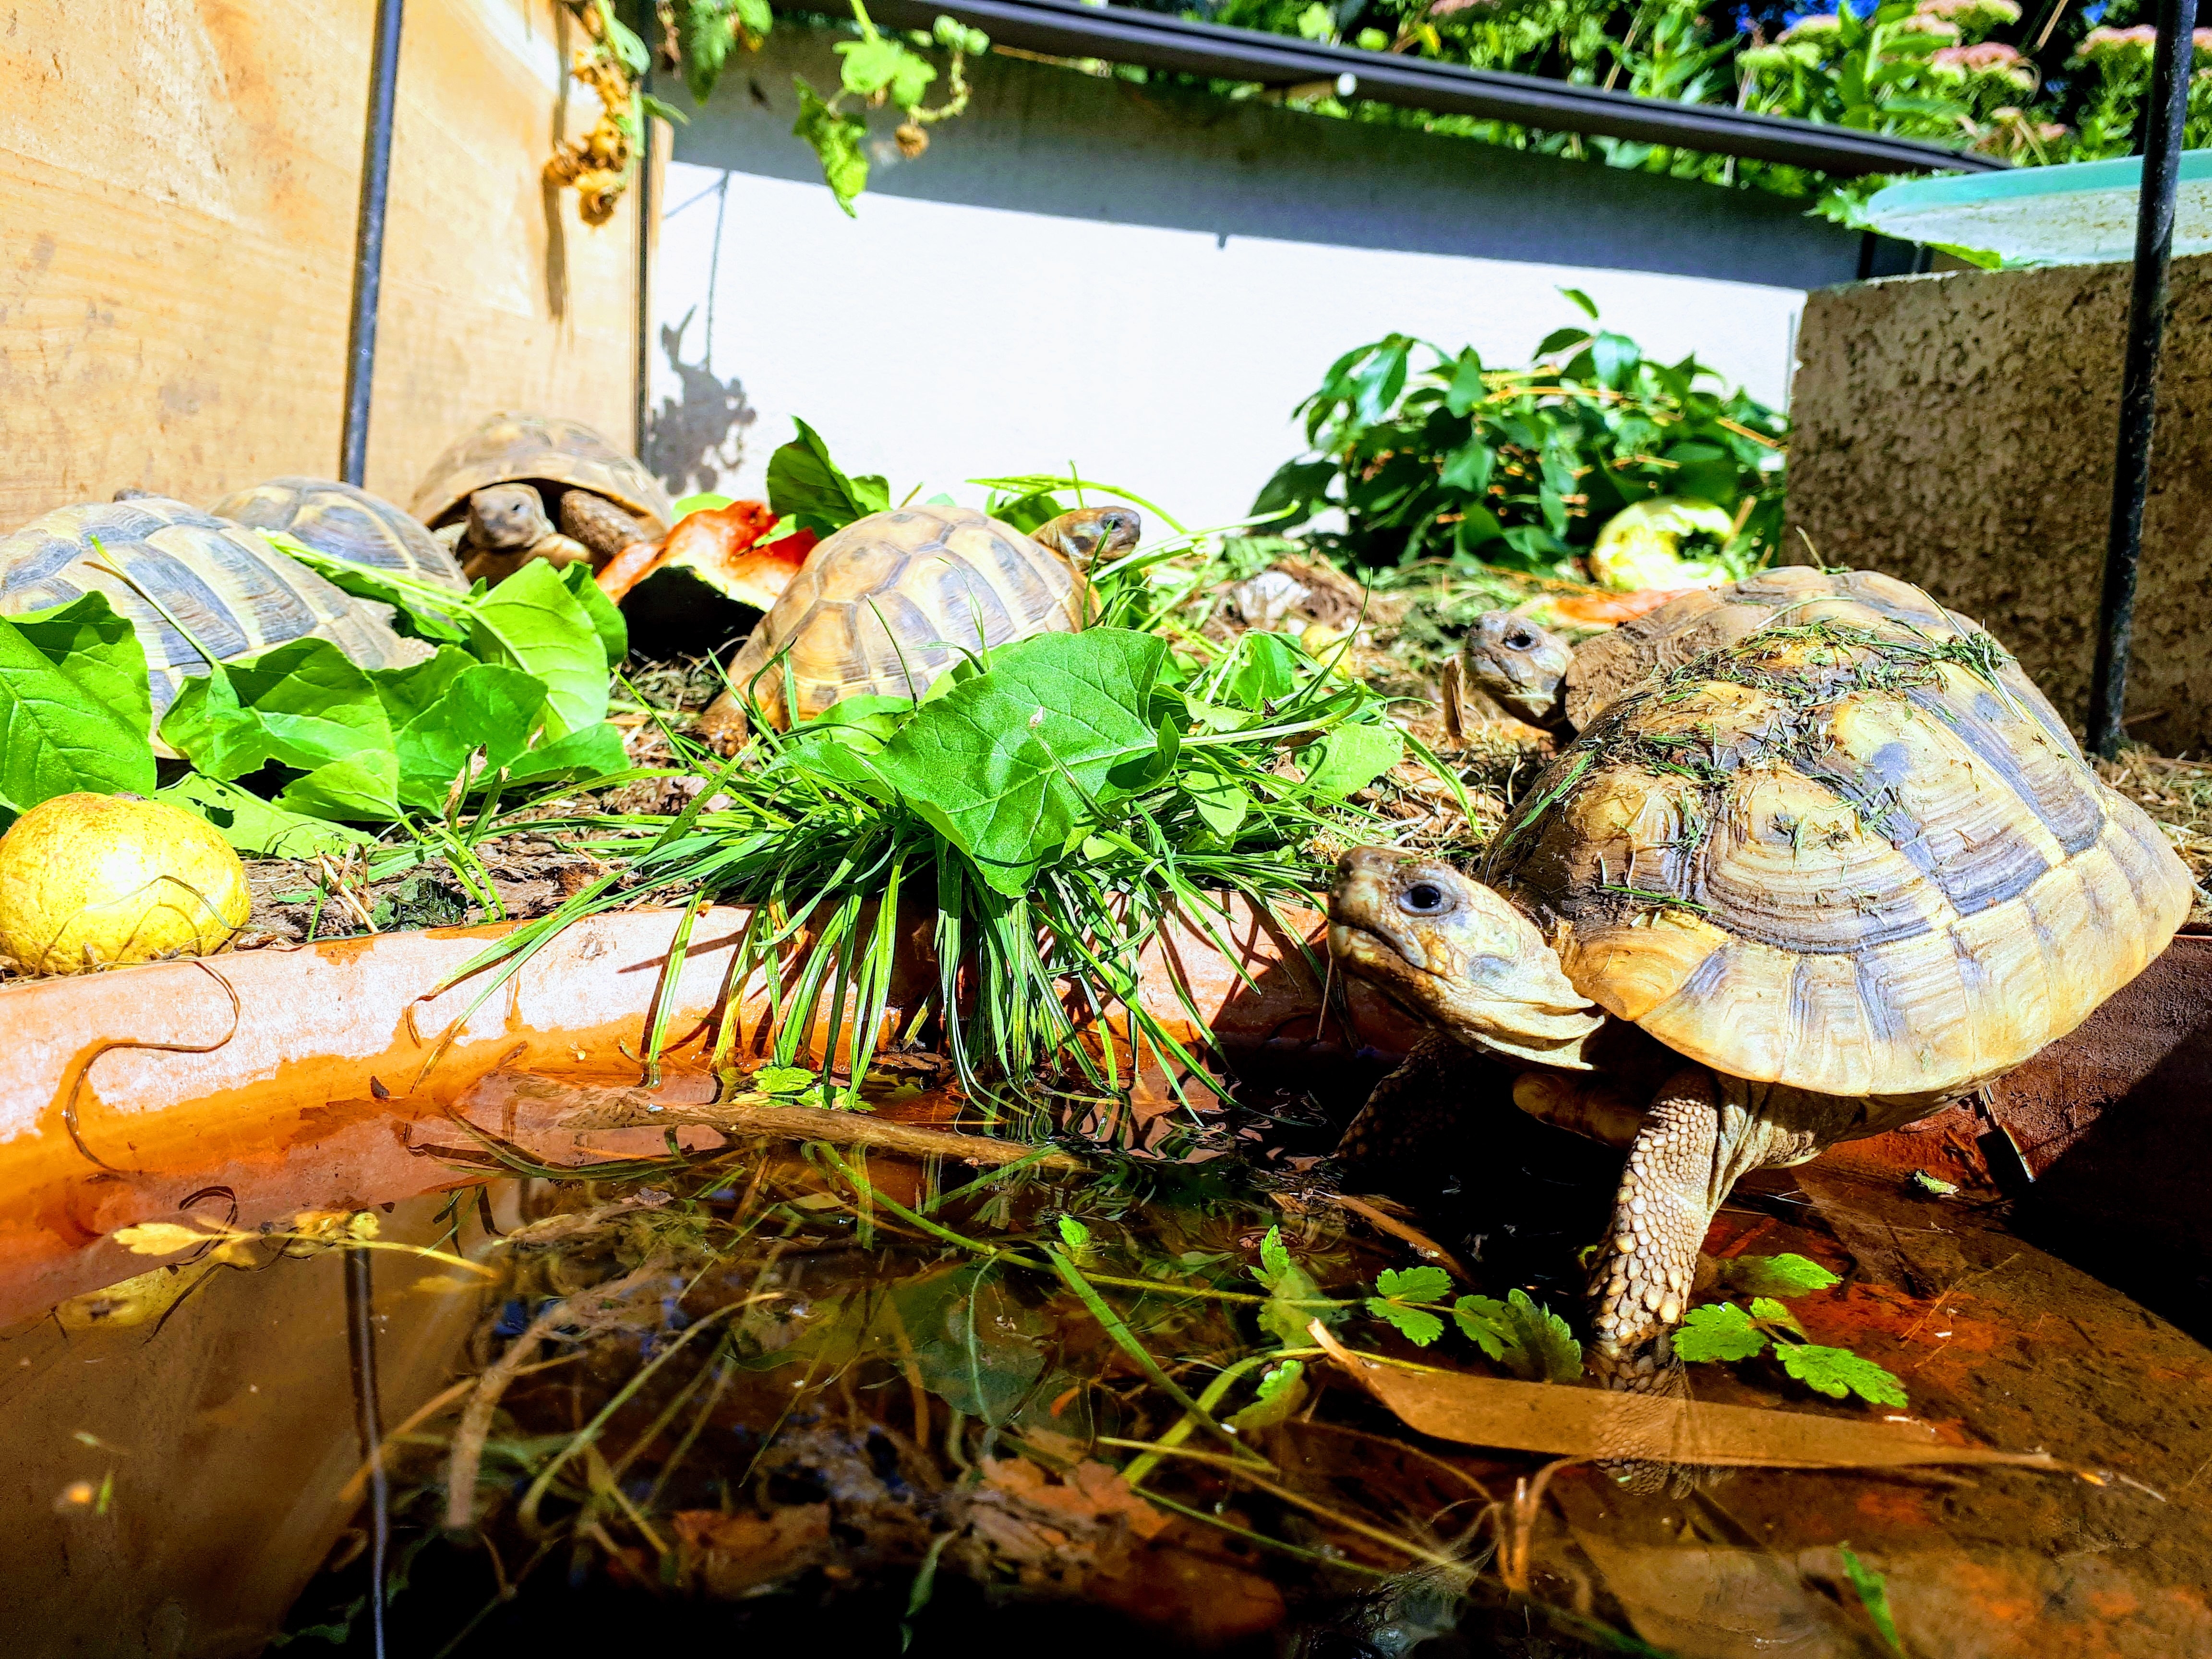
x,y
2168,108
369,242
647,207
369,1417
1124,34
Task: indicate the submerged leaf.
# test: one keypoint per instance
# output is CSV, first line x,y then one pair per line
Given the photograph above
x,y
158,1238
1414,1283
1282,1391
1873,1591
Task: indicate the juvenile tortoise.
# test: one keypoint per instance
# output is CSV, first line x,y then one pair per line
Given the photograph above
x,y
234,593
346,523
1840,874
890,601
495,496
1537,676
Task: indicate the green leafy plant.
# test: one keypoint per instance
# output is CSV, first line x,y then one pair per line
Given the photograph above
x,y
1528,1339
1524,467
876,69
1724,1332
74,705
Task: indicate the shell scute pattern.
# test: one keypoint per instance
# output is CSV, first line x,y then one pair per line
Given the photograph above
x,y
890,601
510,447
346,523
1856,855
236,593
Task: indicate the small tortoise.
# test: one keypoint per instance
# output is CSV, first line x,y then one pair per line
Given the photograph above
x,y
236,593
1537,676
346,523
1840,874
890,601
495,496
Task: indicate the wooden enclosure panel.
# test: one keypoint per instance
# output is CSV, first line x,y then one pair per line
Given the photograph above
x,y
179,182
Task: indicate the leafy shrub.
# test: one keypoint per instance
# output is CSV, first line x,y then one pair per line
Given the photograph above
x,y
1524,467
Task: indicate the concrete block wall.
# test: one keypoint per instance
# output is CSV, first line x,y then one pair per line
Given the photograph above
x,y
1957,430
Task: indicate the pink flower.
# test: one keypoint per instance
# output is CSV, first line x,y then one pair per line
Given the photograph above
x,y
1976,59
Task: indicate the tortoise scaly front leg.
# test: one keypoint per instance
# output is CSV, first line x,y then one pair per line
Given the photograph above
x,y
1673,1184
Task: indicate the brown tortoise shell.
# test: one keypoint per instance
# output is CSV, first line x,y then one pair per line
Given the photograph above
x,y
1616,662
1857,853
890,601
346,523
236,594
514,448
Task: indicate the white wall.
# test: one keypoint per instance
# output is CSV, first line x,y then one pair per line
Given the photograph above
x,y
1145,281
936,341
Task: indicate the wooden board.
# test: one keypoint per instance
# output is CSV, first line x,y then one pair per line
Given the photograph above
x,y
180,183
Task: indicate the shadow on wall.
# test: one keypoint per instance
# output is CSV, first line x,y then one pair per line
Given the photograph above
x,y
696,438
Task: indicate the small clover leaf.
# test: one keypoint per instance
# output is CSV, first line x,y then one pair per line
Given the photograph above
x,y
1720,1330
1838,1371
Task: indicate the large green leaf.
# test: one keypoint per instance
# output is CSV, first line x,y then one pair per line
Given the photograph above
x,y
57,737
98,650
406,692
255,827
302,705
1008,762
363,787
594,752
488,707
606,618
532,622
805,486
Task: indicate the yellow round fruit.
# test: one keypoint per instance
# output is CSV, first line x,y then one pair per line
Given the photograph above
x,y
90,880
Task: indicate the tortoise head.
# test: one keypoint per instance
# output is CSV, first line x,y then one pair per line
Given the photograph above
x,y
509,517
1091,534
1456,953
1518,664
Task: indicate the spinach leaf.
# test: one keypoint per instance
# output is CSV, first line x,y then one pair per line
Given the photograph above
x,y
57,734
1006,764
532,622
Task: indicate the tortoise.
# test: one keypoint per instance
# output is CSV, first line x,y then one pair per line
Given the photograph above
x,y
889,603
1810,886
1537,676
346,523
234,593
496,493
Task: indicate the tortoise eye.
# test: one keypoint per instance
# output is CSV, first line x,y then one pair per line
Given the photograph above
x,y
1424,898
1520,639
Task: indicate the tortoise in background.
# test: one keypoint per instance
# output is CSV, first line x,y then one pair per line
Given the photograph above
x,y
346,523
1808,887
1537,676
890,602
236,593
495,496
